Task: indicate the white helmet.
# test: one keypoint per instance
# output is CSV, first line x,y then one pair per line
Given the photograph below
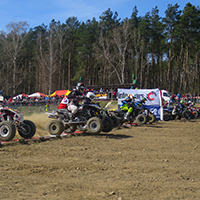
x,y
90,95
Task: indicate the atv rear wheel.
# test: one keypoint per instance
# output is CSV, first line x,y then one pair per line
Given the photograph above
x,y
27,129
141,119
152,118
107,124
115,120
94,125
7,131
55,127
187,114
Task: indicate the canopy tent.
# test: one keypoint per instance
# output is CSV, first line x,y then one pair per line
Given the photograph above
x,y
37,94
60,92
19,96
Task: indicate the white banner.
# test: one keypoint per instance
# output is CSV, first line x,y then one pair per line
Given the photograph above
x,y
153,96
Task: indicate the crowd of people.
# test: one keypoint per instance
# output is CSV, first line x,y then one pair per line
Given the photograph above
x,y
109,93
189,96
25,100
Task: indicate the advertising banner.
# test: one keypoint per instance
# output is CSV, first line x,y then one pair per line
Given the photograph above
x,y
153,96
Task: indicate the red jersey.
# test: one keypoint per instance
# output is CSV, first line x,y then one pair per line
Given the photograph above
x,y
63,103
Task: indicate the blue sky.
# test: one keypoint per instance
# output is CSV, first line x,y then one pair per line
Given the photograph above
x,y
36,12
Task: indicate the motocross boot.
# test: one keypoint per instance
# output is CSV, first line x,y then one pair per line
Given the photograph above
x,y
174,111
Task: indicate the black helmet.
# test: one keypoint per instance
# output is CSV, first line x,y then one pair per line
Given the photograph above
x,y
80,87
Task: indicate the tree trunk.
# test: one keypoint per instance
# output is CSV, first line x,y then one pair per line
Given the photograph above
x,y
196,65
141,64
160,72
60,64
187,64
169,76
14,75
69,70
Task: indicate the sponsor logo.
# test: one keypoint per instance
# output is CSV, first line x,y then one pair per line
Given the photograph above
x,y
151,96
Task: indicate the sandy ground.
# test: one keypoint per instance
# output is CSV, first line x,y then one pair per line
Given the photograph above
x,y
155,161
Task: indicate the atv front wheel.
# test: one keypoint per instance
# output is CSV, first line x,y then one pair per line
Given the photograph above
x,y
55,127
141,119
7,131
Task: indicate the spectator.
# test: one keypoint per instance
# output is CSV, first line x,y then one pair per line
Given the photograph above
x,y
47,107
114,94
194,97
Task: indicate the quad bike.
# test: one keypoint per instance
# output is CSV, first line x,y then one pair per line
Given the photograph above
x,y
10,120
149,115
167,114
89,117
178,114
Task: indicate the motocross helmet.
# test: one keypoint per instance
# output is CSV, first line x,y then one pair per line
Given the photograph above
x,y
130,96
80,87
90,95
182,101
173,97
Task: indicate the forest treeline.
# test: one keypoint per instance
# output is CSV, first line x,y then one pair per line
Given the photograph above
x,y
160,52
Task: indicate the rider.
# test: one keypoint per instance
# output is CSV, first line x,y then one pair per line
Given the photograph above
x,y
89,97
63,103
126,105
71,102
173,102
141,102
179,97
190,104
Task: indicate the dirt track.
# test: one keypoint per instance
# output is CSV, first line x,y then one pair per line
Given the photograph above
x,y
157,161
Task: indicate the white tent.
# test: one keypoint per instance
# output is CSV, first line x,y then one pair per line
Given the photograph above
x,y
37,94
19,96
